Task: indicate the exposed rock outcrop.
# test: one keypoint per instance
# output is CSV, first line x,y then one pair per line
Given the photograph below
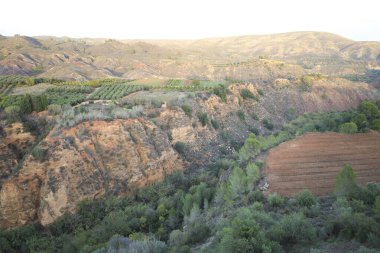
x,y
86,162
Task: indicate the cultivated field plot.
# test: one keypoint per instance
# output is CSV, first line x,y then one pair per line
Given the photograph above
x,y
5,88
115,91
313,161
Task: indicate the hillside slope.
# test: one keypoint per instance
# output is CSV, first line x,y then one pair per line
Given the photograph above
x,y
215,59
96,158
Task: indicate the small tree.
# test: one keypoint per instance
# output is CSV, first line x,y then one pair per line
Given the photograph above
x,y
369,109
26,104
253,175
250,148
360,120
238,182
345,183
376,125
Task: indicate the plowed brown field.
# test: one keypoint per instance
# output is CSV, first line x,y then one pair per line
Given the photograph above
x,y
313,160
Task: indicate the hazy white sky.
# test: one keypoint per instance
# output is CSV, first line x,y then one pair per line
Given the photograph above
x,y
190,19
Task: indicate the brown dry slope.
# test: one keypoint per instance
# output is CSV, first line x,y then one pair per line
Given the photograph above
x,y
313,160
87,161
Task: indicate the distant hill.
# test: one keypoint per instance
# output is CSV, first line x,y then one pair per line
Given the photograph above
x,y
251,58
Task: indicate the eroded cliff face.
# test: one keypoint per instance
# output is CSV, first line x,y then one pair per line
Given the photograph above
x,y
13,141
86,162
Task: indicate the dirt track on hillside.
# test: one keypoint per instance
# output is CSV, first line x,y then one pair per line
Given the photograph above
x,y
312,161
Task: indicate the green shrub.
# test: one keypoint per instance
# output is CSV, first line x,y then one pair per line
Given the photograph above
x,y
177,238
253,175
355,226
195,82
376,125
145,245
254,116
345,183
180,147
12,111
268,124
39,103
275,200
305,198
377,205
245,235
238,182
39,153
215,124
26,104
188,110
54,109
203,118
369,109
251,148
241,115
360,120
221,91
306,83
291,113
254,130
247,94
348,128
293,228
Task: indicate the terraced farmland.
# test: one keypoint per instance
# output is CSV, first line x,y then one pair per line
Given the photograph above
x,y
71,95
115,91
312,161
5,88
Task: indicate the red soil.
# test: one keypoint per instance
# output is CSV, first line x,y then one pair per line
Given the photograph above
x,y
313,160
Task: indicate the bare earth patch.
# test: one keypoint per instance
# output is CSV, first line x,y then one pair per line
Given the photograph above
x,y
313,160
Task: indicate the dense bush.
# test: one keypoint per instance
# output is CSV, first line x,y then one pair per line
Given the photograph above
x,y
180,147
369,109
215,124
293,228
348,128
188,110
39,153
203,118
275,200
306,83
376,125
12,112
247,94
119,244
268,124
241,115
221,91
27,103
245,235
305,198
